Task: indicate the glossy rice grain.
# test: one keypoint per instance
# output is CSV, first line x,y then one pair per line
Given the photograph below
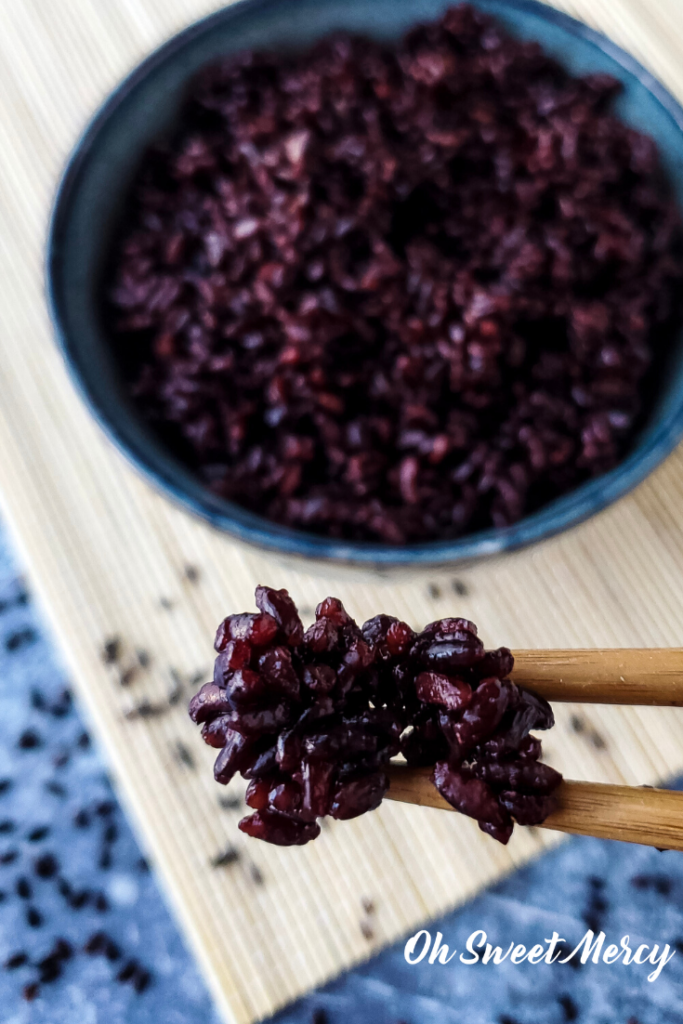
x,y
397,293
312,718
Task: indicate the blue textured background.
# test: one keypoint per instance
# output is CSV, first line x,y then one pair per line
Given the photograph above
x,y
585,881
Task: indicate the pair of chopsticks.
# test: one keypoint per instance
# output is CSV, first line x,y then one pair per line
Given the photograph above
x,y
652,817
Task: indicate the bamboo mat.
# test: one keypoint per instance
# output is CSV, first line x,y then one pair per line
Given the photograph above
x,y
107,555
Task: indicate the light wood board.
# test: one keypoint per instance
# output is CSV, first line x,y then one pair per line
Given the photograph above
x,y
103,548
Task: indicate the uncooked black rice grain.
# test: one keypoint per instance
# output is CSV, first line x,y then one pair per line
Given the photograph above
x,y
101,903
36,835
34,918
126,676
145,709
23,888
127,971
597,907
569,1007
62,949
229,856
79,899
184,755
50,969
175,693
111,833
111,650
22,638
38,700
95,944
256,874
62,706
15,961
29,740
142,979
598,740
660,883
144,658
56,788
46,866
230,803
65,888
401,292
112,951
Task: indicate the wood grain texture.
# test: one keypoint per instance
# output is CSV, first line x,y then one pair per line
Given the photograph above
x,y
653,817
614,676
630,814
103,549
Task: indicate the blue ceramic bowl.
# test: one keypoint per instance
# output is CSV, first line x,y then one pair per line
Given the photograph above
x,y
93,189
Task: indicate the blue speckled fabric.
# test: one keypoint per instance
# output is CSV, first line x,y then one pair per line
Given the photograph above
x,y
584,882
585,878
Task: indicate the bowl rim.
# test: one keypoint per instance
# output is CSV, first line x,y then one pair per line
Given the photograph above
x,y
567,511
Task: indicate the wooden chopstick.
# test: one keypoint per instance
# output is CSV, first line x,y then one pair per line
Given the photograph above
x,y
644,676
632,814
626,676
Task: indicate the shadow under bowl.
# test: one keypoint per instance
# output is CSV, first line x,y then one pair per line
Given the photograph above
x,y
143,109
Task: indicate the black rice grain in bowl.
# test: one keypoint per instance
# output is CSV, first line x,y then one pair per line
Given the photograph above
x,y
312,718
397,292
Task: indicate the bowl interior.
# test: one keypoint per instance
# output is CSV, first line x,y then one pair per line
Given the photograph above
x,y
144,107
